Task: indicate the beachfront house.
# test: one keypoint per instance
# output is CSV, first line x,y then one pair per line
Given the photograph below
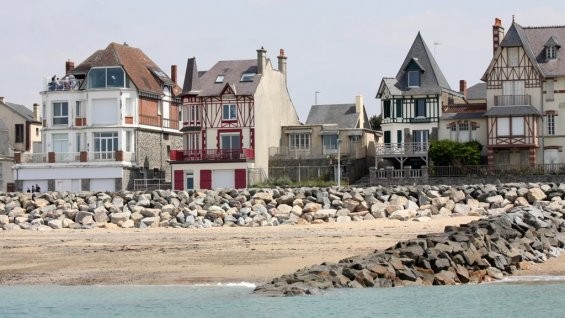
x,y
411,108
107,122
21,134
310,151
525,95
232,115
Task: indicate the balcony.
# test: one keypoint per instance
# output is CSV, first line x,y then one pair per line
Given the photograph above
x,y
158,121
70,157
512,100
222,155
407,149
67,83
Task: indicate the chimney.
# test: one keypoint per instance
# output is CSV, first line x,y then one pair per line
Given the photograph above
x,y
282,62
261,60
174,73
36,112
463,87
69,66
497,34
359,110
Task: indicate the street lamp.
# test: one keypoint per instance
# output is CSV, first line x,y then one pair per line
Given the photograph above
x,y
338,163
316,97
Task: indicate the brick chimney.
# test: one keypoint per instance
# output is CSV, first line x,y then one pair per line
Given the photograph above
x,y
36,112
174,73
261,60
69,66
497,34
282,62
359,106
463,87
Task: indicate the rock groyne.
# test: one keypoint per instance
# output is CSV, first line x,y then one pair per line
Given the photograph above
x,y
266,207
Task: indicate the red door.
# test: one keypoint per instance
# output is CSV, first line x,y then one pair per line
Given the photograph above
x,y
179,180
240,178
205,179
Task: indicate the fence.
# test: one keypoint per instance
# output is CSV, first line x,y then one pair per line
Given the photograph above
x,y
497,170
150,184
302,173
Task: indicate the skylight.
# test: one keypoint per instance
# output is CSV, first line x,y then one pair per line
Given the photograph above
x,y
220,79
247,77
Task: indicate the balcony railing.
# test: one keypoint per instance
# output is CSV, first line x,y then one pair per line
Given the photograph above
x,y
213,155
512,100
158,121
67,83
410,148
69,157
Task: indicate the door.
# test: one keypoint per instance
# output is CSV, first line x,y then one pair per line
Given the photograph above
x,y
420,140
230,146
223,178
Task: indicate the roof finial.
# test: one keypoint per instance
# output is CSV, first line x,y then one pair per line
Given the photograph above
x,y
512,18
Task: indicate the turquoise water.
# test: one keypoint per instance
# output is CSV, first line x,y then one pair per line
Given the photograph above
x,y
532,299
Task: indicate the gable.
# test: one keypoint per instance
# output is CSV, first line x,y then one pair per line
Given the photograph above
x,y
512,64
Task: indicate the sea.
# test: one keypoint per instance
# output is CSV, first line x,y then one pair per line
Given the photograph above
x,y
522,297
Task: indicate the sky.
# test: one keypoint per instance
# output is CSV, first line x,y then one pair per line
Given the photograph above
x,y
339,48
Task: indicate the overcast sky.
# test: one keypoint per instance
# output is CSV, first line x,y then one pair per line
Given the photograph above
x,y
340,48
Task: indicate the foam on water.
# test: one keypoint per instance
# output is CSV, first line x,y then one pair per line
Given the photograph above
x,y
240,284
527,278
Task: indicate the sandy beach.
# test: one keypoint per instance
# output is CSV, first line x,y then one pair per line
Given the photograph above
x,y
188,256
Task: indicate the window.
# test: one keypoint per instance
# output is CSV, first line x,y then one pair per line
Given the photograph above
x,y
220,79
518,126
61,113
399,108
551,124
550,52
189,179
420,108
193,141
193,115
503,126
247,77
60,143
19,133
37,131
229,112
512,56
105,145
413,78
386,109
330,143
549,91
399,136
464,132
420,139
230,141
79,109
299,141
78,143
128,141
106,77
386,137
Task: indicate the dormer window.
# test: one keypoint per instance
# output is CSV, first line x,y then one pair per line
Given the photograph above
x,y
413,78
247,77
220,79
550,53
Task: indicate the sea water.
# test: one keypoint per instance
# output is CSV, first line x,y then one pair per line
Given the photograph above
x,y
532,298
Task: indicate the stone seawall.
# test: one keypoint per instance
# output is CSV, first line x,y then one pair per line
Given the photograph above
x,y
266,207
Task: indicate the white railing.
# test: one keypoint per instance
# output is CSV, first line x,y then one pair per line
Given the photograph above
x,y
67,156
402,148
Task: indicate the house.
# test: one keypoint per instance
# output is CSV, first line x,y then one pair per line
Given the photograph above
x,y
525,95
464,121
411,108
310,151
232,115
107,122
21,129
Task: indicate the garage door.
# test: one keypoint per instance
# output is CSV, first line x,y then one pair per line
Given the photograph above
x,y
223,179
102,185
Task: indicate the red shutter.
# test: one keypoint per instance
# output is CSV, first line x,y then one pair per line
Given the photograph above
x,y
179,180
240,178
205,179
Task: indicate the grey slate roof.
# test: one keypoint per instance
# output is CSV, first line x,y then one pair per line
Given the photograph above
x,y
477,91
205,84
22,111
533,40
461,116
504,111
344,115
432,80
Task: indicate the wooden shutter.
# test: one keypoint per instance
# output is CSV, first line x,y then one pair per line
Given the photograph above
x,y
205,179
179,180
240,178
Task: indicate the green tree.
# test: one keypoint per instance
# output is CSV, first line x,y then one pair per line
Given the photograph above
x,y
453,153
375,122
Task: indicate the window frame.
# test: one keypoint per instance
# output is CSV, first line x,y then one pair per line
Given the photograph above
x,y
98,138
19,133
299,141
550,124
60,117
247,77
550,52
98,74
420,103
414,79
231,113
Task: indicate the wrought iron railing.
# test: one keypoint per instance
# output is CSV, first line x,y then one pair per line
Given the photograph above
x,y
213,154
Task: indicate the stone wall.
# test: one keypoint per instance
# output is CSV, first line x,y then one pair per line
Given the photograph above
x,y
152,153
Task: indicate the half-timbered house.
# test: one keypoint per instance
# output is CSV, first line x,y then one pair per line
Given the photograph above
x,y
233,113
525,95
411,106
106,122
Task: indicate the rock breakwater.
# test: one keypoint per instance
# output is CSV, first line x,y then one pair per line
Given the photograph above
x,y
265,207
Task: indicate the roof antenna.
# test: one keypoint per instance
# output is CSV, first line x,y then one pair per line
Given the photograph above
x,y
435,45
